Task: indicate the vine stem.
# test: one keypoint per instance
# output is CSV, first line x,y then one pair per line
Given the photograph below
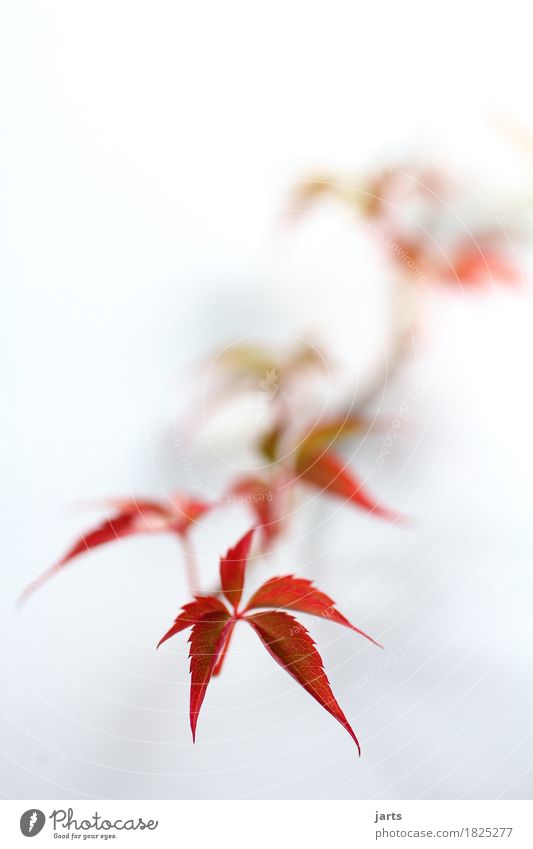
x,y
406,310
191,568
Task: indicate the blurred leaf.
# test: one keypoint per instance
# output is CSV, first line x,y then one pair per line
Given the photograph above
x,y
132,517
265,500
327,472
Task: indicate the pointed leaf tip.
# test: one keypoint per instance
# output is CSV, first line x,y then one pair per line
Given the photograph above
x,y
207,641
131,517
233,567
290,644
330,473
299,594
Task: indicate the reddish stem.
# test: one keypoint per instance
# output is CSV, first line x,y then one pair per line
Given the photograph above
x,y
191,568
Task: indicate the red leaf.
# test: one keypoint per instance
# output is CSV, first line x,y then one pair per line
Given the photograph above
x,y
267,503
192,613
133,517
232,569
328,472
299,594
187,512
286,640
476,264
218,667
291,646
208,638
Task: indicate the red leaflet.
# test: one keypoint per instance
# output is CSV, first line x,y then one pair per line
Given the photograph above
x,y
476,264
423,253
266,501
286,640
291,646
232,568
132,517
328,472
218,668
207,639
186,512
192,613
299,594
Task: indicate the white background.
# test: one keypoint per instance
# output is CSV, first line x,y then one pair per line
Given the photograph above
x,y
146,150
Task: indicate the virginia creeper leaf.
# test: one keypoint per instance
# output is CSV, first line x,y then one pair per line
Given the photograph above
x,y
218,667
318,438
265,500
208,637
286,640
299,594
131,517
192,613
232,569
324,435
328,472
291,646
478,263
